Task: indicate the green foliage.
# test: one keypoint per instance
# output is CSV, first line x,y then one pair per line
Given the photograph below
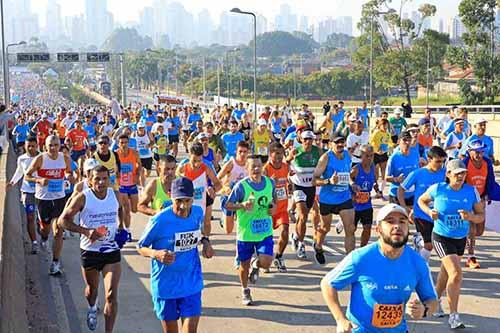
x,y
337,41
126,39
281,43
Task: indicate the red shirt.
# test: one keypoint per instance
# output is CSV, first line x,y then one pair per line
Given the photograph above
x,y
43,128
77,138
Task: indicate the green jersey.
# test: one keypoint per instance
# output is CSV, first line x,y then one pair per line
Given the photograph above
x,y
398,124
303,166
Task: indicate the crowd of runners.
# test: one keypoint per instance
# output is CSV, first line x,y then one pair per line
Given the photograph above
x,y
87,169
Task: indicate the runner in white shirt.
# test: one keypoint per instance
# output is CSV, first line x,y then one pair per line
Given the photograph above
x,y
356,140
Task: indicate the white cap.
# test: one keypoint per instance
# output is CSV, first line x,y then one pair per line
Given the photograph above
x,y
480,121
202,135
397,111
307,135
261,122
90,164
388,209
353,118
141,125
44,116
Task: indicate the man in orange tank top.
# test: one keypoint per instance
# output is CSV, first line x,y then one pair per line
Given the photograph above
x,y
277,170
477,174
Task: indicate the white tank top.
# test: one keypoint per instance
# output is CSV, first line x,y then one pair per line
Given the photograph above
x,y
143,146
54,171
96,213
237,173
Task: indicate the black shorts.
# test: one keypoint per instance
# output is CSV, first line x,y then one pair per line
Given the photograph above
x,y
210,201
408,201
147,163
173,138
425,228
364,216
394,139
96,260
304,194
50,209
380,158
446,246
325,141
326,209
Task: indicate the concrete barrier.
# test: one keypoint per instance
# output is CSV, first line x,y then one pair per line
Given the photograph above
x,y
13,317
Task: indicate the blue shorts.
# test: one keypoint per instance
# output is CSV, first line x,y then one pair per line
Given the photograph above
x,y
130,190
223,202
247,249
76,154
173,309
28,200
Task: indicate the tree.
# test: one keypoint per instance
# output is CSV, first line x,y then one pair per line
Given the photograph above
x,y
126,39
337,41
477,50
281,43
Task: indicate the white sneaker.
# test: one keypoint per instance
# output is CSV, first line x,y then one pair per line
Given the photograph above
x,y
439,312
418,241
455,322
44,244
92,319
339,227
246,297
55,268
301,251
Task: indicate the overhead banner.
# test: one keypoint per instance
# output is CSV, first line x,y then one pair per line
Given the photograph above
x,y
169,100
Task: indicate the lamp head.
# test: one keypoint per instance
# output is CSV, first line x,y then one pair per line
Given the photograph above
x,y
235,10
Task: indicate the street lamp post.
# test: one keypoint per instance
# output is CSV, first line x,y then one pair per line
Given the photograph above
x,y
239,11
4,58
176,76
218,82
229,76
428,73
7,77
204,82
122,81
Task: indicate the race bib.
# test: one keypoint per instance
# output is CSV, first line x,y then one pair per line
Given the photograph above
x,y
126,168
186,241
143,151
112,179
260,226
32,185
343,178
299,196
198,193
387,315
453,221
55,185
384,147
281,193
362,197
67,185
262,151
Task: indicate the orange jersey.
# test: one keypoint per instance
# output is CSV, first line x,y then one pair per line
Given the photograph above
x,y
280,177
61,130
477,177
425,140
128,168
77,138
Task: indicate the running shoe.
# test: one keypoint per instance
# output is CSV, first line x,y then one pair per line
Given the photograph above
x,y
339,227
44,244
246,297
279,263
34,248
253,276
295,242
319,255
55,268
129,236
291,214
472,263
455,322
236,263
418,241
92,319
266,270
439,312
301,251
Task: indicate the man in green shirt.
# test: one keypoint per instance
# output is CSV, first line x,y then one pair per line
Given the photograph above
x,y
254,200
398,123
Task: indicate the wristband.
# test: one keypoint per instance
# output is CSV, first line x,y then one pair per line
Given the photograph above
x,y
425,311
204,238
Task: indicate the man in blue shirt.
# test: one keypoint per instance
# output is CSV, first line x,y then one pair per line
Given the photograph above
x,y
171,240
382,277
192,119
174,123
20,132
231,140
238,113
364,115
480,133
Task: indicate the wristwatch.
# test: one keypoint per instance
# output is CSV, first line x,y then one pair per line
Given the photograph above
x,y
204,238
328,182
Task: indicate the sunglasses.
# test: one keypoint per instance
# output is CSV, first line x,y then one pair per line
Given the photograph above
x,y
103,143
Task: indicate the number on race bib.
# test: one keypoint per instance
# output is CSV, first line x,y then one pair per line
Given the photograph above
x,y
343,178
260,226
198,193
186,241
55,185
262,151
126,168
453,221
362,197
387,315
281,193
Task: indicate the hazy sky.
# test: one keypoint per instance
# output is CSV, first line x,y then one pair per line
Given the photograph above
x,y
128,10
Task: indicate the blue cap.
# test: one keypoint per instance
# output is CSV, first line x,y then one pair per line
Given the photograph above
x,y
182,188
477,145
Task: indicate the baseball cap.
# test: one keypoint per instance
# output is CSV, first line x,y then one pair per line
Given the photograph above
x,y
261,122
338,139
353,118
141,125
202,135
307,135
44,116
406,135
388,209
456,166
182,188
90,164
480,121
397,111
476,145
459,121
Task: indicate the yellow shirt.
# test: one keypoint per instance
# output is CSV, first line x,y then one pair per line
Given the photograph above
x,y
328,124
381,141
261,142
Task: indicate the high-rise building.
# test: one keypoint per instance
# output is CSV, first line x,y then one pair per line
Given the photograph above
x,y
77,30
344,25
204,28
261,24
180,25
20,23
441,25
456,28
285,20
146,23
53,21
159,18
304,24
98,21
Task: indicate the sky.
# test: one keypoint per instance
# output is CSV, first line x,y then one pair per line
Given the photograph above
x,y
128,10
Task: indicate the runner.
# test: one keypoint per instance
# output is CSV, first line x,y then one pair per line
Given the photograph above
x,y
215,143
261,137
101,218
27,188
109,159
333,176
173,131
231,140
144,140
303,160
47,171
380,140
157,192
363,177
254,200
91,130
20,133
277,170
480,134
455,206
171,240
420,180
76,139
398,124
455,140
357,139
43,129
130,171
382,277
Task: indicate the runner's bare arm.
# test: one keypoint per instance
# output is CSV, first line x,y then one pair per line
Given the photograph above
x,y
121,213
216,183
331,297
146,198
35,166
66,220
318,171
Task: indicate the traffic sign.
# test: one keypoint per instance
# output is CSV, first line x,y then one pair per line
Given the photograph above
x,y
98,57
68,57
33,57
